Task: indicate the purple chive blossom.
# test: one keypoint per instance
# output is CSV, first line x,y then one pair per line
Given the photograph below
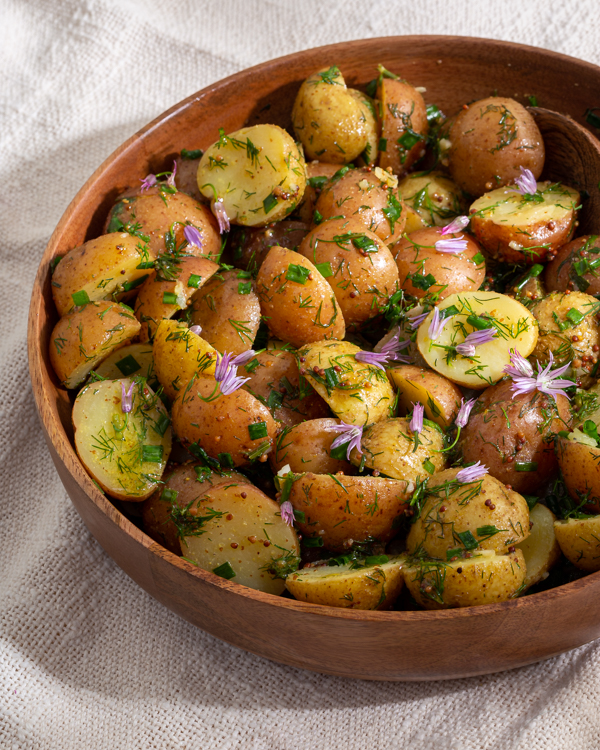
x,y
226,371
455,226
389,352
526,183
519,367
242,358
218,210
192,236
437,324
287,512
418,319
416,423
545,381
464,412
475,339
171,177
148,182
453,245
472,473
196,329
126,398
351,434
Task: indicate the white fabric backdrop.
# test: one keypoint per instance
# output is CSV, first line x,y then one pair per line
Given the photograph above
x,y
87,659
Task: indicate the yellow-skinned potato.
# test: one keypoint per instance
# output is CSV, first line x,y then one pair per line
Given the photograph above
x,y
540,549
306,447
390,448
434,199
404,125
86,336
369,587
485,513
357,393
579,463
112,264
425,271
179,354
162,216
516,328
515,229
439,396
482,579
489,141
367,106
127,361
228,311
344,510
183,485
369,195
126,453
296,300
244,538
221,424
163,295
356,264
328,120
276,382
257,174
579,540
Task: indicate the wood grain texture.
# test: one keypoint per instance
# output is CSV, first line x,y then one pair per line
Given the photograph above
x,y
368,645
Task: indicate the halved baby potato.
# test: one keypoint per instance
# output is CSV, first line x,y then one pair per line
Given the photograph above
x,y
579,461
440,397
134,359
257,174
433,198
541,549
374,586
515,326
579,540
404,125
124,452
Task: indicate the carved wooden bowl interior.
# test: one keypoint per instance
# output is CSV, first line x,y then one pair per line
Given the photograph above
x,y
369,645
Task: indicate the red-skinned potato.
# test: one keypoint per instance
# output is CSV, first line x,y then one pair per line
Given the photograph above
x,y
307,447
317,174
249,246
575,266
404,125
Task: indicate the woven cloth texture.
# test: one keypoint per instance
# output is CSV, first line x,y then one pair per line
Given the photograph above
x,y
88,659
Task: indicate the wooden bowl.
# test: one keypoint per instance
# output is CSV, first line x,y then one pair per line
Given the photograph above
x,y
369,645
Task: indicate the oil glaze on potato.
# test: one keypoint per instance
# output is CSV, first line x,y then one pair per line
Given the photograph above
x,y
433,198
369,155
257,174
425,271
579,540
306,447
317,175
404,125
343,510
575,266
515,229
86,336
513,435
297,302
246,535
541,549
490,140
370,587
125,453
439,396
485,513
580,468
516,329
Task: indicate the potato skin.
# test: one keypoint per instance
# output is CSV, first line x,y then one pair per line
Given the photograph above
x,y
185,177
362,281
578,540
506,430
439,396
220,425
284,301
491,139
571,269
541,549
364,194
580,468
452,508
249,246
86,336
306,447
345,510
306,209
229,318
403,118
432,198
416,254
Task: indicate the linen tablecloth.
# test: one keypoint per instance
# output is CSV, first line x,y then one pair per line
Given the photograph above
x,y
88,659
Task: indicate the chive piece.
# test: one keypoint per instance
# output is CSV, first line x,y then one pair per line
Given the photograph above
x,y
162,424
428,466
324,269
392,211
592,118
129,285
192,153
296,273
452,553
331,378
362,242
152,453
317,182
526,465
258,452
198,452
300,516
376,560
275,400
409,139
225,571
314,541
169,298
80,298
478,322
169,496
128,365
382,145
339,452
244,287
226,460
422,282
317,217
590,429
532,100
575,316
269,203
467,539
478,259
449,311
54,262
531,500
257,430
244,275
194,280
252,365
340,173
433,114
146,264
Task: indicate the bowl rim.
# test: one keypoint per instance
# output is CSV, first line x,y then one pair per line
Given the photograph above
x,y
59,441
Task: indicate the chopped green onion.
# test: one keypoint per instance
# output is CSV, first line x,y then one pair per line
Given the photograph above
x,y
575,316
428,466
269,203
377,560
169,298
324,269
274,400
314,541
300,516
80,298
257,430
244,275
225,571
193,153
296,273
169,496
362,242
467,539
252,365
409,139
226,460
422,282
478,259
526,465
317,217
456,552
317,182
162,424
194,280
382,145
532,100
244,287
592,118
152,453
128,365
331,378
